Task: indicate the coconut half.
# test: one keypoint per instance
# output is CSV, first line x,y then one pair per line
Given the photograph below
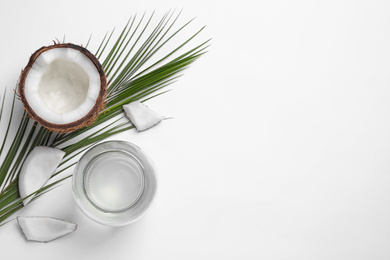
x,y
63,87
44,229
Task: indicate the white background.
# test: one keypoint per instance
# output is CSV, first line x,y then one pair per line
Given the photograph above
x,y
280,143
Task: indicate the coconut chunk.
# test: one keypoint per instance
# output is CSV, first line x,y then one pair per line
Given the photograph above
x,y
141,116
44,229
37,169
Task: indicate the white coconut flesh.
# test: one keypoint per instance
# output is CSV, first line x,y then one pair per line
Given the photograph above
x,y
37,169
62,85
141,116
44,229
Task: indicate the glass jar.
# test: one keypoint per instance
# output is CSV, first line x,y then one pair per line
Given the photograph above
x,y
114,183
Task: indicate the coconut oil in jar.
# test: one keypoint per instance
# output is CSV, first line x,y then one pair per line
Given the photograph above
x,y
114,183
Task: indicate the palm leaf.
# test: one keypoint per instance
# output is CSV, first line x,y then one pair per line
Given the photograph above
x,y
129,78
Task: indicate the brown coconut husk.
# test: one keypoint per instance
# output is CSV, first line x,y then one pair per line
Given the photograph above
x,y
91,116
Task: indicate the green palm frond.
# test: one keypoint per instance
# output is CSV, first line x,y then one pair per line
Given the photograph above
x,y
132,74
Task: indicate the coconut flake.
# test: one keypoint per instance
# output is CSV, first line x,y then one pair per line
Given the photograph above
x,y
141,116
44,229
37,169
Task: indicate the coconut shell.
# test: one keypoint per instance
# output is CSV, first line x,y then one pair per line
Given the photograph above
x,y
90,117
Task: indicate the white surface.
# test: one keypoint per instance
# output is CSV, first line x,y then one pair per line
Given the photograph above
x,y
280,146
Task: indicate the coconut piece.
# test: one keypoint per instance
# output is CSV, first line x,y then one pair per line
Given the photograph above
x,y
44,229
37,169
141,116
63,87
